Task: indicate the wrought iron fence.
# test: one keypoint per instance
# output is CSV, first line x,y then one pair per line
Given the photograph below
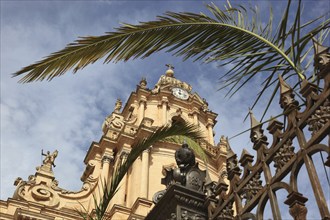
x,y
249,193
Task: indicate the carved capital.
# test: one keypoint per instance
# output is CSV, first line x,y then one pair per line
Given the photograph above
x,y
148,150
164,100
142,100
107,159
123,155
210,123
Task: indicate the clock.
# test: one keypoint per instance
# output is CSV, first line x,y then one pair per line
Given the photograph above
x,y
180,93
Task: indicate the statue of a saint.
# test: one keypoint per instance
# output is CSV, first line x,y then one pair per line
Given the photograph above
x,y
118,106
49,158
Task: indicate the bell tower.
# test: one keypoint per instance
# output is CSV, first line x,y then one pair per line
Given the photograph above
x,y
171,99
146,109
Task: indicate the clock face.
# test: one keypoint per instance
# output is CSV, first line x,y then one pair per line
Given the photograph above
x,y
180,93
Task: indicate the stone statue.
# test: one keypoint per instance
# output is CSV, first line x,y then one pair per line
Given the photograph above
x,y
118,106
143,83
49,158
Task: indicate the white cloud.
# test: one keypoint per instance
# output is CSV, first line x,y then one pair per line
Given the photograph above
x,y
67,113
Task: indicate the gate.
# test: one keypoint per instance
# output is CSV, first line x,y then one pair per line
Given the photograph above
x,y
309,129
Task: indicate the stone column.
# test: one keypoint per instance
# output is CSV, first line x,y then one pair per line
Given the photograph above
x,y
142,106
106,161
164,110
209,127
145,173
194,114
121,194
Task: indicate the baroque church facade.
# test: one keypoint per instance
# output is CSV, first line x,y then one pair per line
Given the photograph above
x,y
41,197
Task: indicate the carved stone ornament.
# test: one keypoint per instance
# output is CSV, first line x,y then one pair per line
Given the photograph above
x,y
205,106
168,80
40,193
48,161
319,118
283,155
118,106
116,122
143,83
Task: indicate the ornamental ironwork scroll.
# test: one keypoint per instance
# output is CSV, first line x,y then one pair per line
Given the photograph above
x,y
252,184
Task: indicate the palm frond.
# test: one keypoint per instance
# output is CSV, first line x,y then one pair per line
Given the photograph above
x,y
178,129
234,34
224,36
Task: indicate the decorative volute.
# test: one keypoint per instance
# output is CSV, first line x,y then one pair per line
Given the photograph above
x,y
42,186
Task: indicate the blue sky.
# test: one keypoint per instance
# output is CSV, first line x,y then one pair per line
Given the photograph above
x,y
67,113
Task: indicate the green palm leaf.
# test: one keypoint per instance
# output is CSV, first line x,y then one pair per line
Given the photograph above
x,y
233,34
188,34
165,133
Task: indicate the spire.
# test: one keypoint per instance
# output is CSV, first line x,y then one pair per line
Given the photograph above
x,y
230,152
246,157
254,121
256,134
318,48
284,87
286,95
321,56
245,153
274,125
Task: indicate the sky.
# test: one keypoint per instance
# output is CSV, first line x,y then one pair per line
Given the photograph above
x,y
67,113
